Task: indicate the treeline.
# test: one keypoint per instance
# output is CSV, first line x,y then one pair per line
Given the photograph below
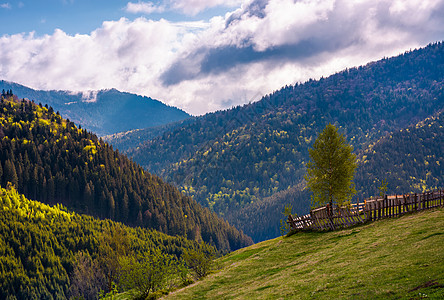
x,y
231,159
50,160
47,252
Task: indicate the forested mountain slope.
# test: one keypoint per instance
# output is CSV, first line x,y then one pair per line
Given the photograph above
x,y
132,139
410,160
50,160
230,159
105,111
40,247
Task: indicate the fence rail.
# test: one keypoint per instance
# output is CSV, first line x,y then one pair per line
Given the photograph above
x,y
332,218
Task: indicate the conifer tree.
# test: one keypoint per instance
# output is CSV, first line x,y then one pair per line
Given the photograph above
x,y
331,168
10,174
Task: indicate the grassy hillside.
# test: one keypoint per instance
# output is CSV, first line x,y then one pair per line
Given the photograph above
x,y
394,258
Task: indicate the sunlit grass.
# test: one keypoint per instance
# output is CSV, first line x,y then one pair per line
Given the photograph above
x,y
394,258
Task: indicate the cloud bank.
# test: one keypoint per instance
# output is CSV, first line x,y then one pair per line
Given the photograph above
x,y
204,66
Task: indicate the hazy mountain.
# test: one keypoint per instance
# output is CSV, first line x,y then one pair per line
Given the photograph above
x,y
103,112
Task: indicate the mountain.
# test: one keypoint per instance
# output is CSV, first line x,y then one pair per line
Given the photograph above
x,y
410,160
232,159
132,139
104,112
49,159
41,247
399,258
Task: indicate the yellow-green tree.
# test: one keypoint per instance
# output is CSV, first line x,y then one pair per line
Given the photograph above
x,y
331,168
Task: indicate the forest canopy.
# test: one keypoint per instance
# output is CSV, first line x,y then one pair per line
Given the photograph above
x,y
50,159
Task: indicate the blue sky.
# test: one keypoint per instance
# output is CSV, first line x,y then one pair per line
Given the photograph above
x,y
203,55
44,16
82,16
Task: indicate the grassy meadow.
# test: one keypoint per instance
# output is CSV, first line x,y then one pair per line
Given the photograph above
x,y
401,258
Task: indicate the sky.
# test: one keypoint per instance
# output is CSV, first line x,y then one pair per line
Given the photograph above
x,y
203,55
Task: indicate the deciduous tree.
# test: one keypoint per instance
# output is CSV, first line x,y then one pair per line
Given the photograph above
x,y
331,168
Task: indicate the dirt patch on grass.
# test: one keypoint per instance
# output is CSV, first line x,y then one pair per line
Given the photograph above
x,y
431,283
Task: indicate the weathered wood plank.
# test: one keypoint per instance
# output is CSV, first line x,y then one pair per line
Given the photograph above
x,y
332,218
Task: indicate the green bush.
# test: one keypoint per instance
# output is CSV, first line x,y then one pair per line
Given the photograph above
x,y
200,260
143,275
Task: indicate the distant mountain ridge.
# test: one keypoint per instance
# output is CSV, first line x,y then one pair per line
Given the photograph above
x,y
103,112
125,141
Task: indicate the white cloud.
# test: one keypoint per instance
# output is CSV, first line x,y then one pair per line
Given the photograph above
x,y
121,54
6,5
204,66
187,7
193,7
143,7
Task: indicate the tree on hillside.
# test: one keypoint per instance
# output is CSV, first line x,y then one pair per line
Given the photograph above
x,y
331,168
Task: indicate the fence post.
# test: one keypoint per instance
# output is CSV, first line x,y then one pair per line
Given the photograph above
x,y
365,210
416,201
390,205
291,221
426,200
378,204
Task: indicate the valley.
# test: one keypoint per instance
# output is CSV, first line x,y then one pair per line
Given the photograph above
x,y
126,177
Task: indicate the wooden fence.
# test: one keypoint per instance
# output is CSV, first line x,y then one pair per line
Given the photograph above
x,y
331,218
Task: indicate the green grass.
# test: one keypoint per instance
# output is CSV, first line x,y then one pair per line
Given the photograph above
x,y
401,258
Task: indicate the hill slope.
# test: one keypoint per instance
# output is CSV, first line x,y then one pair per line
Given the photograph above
x,y
105,111
50,160
132,139
232,159
389,259
410,160
39,244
